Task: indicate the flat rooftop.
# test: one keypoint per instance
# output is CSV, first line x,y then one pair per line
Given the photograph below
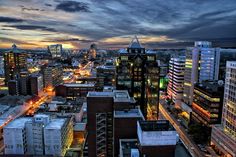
x,y
132,113
121,96
108,67
56,123
100,94
80,127
18,123
160,125
79,85
126,146
41,116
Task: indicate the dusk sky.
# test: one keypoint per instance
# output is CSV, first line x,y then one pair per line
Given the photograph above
x,y
111,23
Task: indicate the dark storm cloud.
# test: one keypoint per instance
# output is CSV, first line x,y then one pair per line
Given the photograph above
x,y
48,5
23,8
69,40
73,6
32,27
14,41
10,19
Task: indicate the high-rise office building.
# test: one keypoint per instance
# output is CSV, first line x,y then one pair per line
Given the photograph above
x,y
176,79
202,63
92,52
14,62
138,72
55,50
207,102
226,54
36,83
52,76
13,87
224,136
24,83
106,76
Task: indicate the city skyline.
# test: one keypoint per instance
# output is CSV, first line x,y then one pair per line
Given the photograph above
x,y
111,23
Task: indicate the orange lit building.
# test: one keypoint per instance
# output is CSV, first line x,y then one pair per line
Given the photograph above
x,y
14,62
207,103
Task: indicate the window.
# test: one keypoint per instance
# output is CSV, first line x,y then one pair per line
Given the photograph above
x,y
124,58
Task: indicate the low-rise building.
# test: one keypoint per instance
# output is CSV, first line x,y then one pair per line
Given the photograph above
x,y
39,135
74,90
156,138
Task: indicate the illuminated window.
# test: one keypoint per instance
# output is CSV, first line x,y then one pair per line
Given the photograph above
x,y
124,58
150,58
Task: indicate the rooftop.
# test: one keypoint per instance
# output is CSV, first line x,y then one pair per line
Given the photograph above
x,y
100,94
211,87
127,145
79,85
18,123
121,96
135,43
15,49
132,113
80,127
41,116
160,125
56,123
108,67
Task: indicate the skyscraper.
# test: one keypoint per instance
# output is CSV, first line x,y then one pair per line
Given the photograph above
x,y
176,78
14,62
55,50
52,76
224,136
138,72
207,102
202,63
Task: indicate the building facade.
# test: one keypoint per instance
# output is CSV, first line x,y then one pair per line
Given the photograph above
x,y
55,50
100,111
39,135
224,136
74,90
202,63
138,72
176,78
207,103
156,138
36,83
52,76
14,62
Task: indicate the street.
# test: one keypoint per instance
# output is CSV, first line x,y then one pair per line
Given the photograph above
x,y
191,146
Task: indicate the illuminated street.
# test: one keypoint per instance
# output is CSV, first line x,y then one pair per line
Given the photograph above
x,y
191,146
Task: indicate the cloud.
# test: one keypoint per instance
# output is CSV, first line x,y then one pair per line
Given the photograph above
x,y
23,8
211,19
73,6
15,41
10,19
48,5
69,40
32,27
